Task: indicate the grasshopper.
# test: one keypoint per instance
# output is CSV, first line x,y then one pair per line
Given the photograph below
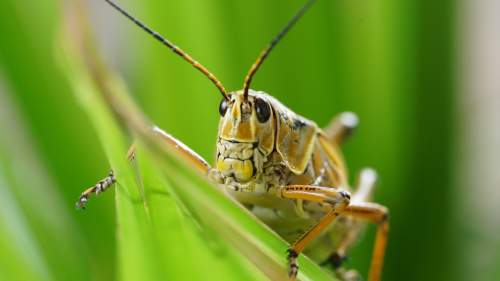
x,y
285,169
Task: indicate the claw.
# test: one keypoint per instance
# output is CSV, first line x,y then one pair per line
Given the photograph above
x,y
293,267
82,201
101,186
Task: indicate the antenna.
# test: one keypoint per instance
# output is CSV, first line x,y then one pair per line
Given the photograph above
x,y
263,55
174,48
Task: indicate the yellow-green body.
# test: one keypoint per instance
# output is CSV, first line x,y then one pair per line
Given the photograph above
x,y
255,159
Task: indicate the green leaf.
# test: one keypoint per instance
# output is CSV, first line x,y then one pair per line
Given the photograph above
x,y
172,223
38,237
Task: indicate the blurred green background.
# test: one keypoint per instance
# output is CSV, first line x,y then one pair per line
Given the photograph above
x,y
397,64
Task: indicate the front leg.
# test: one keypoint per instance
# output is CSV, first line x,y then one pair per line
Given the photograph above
x,y
183,151
99,187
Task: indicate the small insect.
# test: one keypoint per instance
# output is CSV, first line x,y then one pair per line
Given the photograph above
x,y
285,169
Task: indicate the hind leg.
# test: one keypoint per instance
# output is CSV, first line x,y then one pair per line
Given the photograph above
x,y
341,127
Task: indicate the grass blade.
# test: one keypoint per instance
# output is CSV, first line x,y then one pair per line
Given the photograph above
x,y
155,209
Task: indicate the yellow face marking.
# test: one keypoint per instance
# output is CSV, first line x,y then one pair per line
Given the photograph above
x,y
240,124
241,169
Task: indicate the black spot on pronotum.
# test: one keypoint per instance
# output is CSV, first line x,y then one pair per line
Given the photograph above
x,y
283,117
298,124
263,110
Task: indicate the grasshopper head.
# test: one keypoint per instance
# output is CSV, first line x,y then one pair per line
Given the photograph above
x,y
248,121
247,125
251,128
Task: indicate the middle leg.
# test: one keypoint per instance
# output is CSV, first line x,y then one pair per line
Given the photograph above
x,y
359,209
337,199
366,182
341,205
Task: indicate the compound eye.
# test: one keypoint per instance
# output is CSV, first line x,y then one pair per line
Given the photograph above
x,y
263,110
223,107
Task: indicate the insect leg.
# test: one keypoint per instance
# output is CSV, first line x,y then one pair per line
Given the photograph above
x,y
341,127
183,150
99,187
366,182
338,199
103,184
377,214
